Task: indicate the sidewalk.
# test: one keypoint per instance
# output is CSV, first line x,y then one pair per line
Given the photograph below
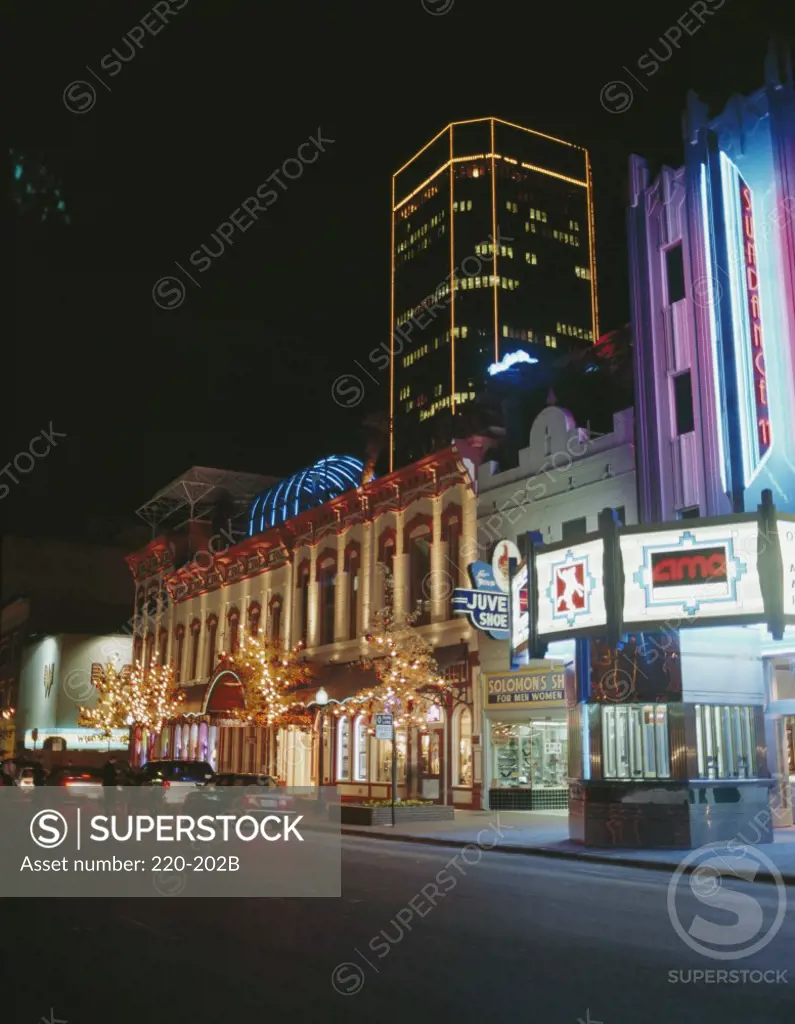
x,y
545,834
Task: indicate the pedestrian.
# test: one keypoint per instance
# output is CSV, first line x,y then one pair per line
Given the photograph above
x,y
39,778
109,772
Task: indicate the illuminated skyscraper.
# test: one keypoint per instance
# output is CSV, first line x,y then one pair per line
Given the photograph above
x,y
492,252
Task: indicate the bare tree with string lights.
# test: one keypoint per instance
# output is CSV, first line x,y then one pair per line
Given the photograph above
x,y
410,683
270,677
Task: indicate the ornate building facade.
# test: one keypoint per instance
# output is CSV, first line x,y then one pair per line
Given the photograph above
x,y
316,578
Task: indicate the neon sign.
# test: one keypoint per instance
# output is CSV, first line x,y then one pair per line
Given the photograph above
x,y
755,321
671,568
486,605
509,360
746,318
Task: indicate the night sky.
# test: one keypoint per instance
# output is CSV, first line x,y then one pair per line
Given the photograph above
x,y
240,374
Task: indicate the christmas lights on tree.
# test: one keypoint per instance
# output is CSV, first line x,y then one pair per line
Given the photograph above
x,y
270,675
111,710
151,697
144,698
410,683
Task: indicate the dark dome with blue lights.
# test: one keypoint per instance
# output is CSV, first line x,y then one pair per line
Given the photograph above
x,y
314,486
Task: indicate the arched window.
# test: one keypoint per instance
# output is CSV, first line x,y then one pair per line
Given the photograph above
x,y
463,751
352,562
360,749
212,635
276,616
150,645
386,549
327,586
163,645
344,748
195,632
233,625
254,612
418,539
302,584
451,531
180,635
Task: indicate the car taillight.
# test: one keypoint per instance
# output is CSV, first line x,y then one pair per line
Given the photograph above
x,y
165,783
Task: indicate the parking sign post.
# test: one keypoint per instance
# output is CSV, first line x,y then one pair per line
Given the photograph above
x,y
385,730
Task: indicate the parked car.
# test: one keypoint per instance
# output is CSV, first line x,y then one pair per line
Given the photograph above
x,y
176,778
261,794
24,778
83,780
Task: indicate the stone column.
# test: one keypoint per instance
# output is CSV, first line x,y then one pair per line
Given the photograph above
x,y
401,570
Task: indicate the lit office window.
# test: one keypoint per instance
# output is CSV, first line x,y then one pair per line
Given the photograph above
x,y
635,742
725,741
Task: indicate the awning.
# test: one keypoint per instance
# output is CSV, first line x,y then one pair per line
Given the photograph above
x,y
340,681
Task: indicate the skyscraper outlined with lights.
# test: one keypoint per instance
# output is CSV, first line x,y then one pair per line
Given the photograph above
x,y
492,252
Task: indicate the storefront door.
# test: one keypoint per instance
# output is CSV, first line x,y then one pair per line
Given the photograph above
x,y
432,764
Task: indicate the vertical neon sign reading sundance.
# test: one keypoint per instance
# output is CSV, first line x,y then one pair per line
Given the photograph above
x,y
757,350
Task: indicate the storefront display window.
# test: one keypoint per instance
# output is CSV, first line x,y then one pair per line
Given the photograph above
x,y
635,742
529,755
464,769
383,765
725,741
430,753
344,750
360,755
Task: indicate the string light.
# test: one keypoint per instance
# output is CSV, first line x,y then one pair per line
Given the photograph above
x,y
147,698
410,681
269,678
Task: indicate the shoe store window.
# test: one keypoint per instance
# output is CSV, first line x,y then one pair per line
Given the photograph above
x,y
529,766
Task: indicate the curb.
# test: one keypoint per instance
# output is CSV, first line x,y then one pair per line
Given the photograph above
x,y
552,854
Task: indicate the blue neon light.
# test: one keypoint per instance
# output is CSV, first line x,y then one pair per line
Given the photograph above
x,y
713,330
314,486
509,360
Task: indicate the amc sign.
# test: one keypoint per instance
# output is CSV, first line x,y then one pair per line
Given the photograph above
x,y
700,572
703,565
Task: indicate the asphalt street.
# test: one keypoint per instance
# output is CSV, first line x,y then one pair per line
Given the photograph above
x,y
511,938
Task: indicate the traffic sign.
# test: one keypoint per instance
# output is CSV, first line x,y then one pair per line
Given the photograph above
x,y
383,727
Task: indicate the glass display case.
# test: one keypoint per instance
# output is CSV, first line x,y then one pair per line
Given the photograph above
x,y
529,758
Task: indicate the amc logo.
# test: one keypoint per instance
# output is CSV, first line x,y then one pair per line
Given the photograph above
x,y
696,566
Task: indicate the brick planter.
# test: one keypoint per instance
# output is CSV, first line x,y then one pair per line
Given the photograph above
x,y
357,814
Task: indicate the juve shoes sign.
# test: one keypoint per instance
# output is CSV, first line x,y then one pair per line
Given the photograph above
x,y
705,572
486,605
